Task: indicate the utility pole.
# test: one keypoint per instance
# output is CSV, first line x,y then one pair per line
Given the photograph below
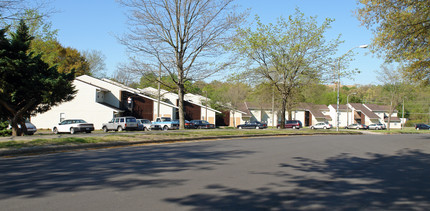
x,y
403,112
273,107
206,106
159,90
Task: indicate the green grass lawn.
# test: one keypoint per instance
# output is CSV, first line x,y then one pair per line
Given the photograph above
x,y
160,136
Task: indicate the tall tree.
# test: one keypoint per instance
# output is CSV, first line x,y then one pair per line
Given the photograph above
x,y
402,31
289,54
394,87
27,84
185,37
96,63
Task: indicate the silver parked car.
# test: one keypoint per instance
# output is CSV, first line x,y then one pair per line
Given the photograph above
x,y
321,125
120,124
144,124
376,126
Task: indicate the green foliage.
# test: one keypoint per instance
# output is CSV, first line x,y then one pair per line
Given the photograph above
x,y
27,84
289,54
401,30
4,131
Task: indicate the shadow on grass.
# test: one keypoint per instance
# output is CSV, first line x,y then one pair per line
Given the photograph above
x,y
343,182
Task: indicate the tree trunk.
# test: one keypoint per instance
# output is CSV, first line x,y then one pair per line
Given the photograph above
x,y
16,131
283,111
389,116
181,107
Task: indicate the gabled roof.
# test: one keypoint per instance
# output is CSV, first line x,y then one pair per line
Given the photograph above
x,y
314,109
393,119
364,110
98,87
374,107
341,107
153,91
244,107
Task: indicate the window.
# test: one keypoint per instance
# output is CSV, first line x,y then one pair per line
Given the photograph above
x,y
121,120
62,117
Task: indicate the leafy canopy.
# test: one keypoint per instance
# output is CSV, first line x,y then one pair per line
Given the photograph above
x,y
401,30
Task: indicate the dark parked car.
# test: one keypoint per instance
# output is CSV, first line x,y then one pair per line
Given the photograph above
x,y
188,124
295,124
252,125
202,124
422,127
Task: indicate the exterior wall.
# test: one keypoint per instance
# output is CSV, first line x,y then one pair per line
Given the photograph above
x,y
210,115
113,97
344,118
238,119
83,106
394,125
299,115
165,110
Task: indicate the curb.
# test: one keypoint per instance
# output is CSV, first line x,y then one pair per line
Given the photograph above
x,y
60,148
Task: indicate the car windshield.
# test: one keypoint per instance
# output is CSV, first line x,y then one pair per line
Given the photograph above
x,y
130,120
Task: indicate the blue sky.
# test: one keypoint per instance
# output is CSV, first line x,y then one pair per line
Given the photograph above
x,y
93,24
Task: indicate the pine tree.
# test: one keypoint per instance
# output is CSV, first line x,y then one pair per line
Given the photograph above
x,y
27,84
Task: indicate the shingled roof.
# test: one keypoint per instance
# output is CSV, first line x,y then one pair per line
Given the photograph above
x,y
314,109
364,110
374,107
341,107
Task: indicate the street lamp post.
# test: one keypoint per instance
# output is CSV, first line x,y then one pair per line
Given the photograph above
x,y
338,83
347,108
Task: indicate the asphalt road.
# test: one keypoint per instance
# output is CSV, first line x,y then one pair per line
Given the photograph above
x,y
361,172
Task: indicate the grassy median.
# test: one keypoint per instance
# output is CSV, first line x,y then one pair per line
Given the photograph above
x,y
142,137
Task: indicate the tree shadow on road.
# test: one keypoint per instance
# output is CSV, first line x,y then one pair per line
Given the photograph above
x,y
122,168
344,182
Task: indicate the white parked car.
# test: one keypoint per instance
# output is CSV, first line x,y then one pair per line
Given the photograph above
x,y
321,125
73,126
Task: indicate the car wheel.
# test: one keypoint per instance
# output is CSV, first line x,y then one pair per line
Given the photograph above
x,y
199,127
418,128
88,131
257,127
240,128
55,130
325,128
358,128
72,131
312,128
119,129
165,128
279,127
105,129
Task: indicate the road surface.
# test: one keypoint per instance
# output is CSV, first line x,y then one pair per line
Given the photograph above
x,y
360,172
